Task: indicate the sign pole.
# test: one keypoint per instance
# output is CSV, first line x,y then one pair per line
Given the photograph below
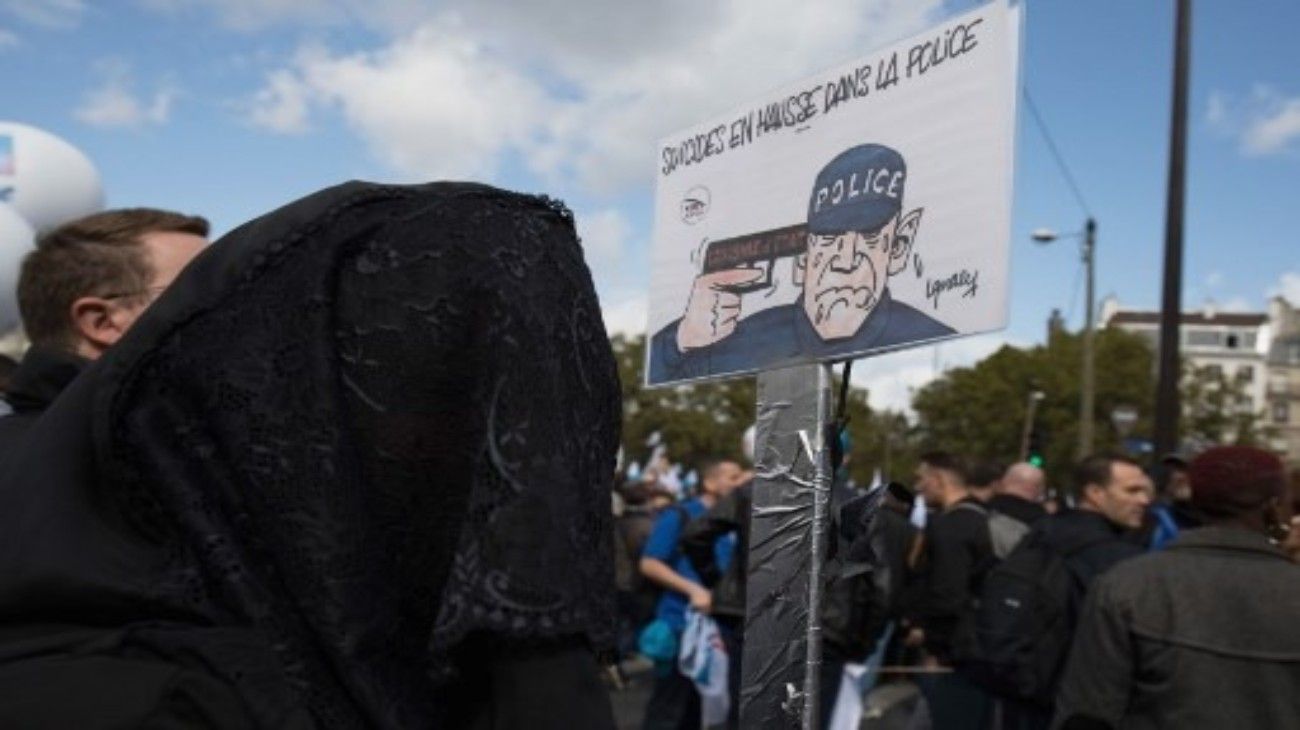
x,y
780,669
812,688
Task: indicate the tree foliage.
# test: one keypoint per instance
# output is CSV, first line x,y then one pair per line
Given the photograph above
x,y
1217,409
980,410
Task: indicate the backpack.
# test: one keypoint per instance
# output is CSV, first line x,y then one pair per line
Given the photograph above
x,y
1005,531
1022,624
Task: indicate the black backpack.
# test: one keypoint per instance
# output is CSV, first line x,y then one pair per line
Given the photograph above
x,y
1022,624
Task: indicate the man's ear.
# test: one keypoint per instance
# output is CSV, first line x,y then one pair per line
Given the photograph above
x,y
900,248
1093,494
97,322
800,268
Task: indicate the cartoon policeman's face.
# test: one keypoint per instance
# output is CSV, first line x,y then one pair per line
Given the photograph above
x,y
844,276
858,235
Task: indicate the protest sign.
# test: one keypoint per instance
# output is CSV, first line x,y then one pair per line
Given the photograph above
x,y
861,210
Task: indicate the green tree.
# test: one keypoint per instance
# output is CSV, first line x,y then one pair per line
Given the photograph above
x,y
980,410
697,421
1217,408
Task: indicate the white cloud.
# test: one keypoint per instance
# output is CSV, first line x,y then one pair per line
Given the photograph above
x,y
583,91
892,379
60,14
434,104
626,317
604,234
1267,122
1288,287
8,40
116,104
282,104
1214,279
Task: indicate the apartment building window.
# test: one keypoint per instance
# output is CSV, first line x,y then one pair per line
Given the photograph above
x,y
1212,371
1246,375
1203,338
1281,412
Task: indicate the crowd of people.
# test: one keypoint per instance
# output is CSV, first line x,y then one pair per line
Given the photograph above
x,y
1117,605
336,472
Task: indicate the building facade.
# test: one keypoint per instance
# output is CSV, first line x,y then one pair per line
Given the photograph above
x,y
1260,351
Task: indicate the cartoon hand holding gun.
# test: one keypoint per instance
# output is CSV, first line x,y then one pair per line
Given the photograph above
x,y
732,268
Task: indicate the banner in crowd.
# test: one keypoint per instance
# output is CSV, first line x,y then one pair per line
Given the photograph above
x,y
861,210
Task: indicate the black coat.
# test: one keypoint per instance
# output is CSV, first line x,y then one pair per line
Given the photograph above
x,y
1201,634
39,379
730,514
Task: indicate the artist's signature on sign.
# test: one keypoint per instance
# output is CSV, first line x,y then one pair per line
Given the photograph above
x,y
965,281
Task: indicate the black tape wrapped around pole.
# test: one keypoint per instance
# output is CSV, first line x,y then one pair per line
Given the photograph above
x,y
789,523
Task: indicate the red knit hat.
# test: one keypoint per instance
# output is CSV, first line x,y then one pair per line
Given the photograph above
x,y
1231,480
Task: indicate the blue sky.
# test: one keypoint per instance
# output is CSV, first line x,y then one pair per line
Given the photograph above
x,y
229,108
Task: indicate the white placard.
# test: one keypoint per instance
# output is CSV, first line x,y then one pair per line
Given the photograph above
x,y
861,210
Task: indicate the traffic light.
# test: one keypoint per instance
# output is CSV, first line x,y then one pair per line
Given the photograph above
x,y
1035,455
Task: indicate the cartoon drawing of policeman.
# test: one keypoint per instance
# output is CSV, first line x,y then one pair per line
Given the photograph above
x,y
858,235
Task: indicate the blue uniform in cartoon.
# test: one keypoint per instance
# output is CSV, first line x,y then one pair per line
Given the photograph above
x,y
858,236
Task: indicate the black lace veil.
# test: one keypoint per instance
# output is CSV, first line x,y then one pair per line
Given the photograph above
x,y
371,425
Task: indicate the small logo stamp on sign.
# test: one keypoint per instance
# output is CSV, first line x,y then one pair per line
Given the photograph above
x,y
695,205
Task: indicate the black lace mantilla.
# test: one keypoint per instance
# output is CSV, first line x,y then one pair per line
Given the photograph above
x,y
371,424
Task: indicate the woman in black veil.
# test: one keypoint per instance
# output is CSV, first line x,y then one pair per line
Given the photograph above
x,y
352,470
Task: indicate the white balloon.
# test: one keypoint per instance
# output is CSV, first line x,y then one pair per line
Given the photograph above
x,y
44,178
16,239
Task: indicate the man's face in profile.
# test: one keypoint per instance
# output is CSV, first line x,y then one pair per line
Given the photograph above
x,y
844,275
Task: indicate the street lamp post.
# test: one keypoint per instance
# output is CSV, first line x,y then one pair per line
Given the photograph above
x,y
1087,250
1031,412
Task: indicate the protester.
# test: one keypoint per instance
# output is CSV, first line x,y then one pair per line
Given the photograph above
x,y
986,479
80,290
637,596
674,702
958,551
699,541
352,471
862,602
1019,493
1173,512
1201,634
1030,602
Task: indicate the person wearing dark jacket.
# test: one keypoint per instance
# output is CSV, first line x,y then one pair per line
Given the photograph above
x,y
81,289
958,552
1203,633
312,488
1019,494
1112,493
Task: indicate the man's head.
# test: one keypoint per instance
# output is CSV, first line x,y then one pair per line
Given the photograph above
x,y
88,280
986,478
858,236
941,479
719,477
1023,480
1177,486
1114,486
1238,483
